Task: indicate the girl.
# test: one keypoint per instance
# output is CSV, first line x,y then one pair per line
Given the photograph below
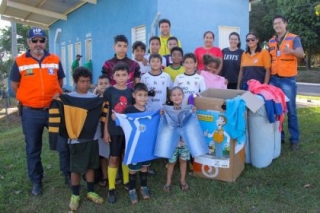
x,y
181,151
211,79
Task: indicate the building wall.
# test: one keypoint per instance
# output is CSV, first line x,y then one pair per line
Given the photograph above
x,y
102,21
191,19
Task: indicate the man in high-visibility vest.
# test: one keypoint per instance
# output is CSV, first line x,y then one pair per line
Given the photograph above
x,y
285,49
36,78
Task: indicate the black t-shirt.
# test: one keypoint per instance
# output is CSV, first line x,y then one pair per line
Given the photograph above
x,y
132,109
118,100
231,64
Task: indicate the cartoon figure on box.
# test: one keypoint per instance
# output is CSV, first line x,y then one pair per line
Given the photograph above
x,y
218,137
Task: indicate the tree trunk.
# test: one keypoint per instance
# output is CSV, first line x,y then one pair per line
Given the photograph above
x,y
308,60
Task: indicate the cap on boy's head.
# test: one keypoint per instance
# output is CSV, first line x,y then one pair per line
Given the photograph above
x,y
36,32
78,55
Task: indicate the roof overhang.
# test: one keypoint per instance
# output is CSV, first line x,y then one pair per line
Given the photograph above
x,y
41,13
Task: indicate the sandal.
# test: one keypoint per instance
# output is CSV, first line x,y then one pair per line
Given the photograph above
x,y
184,187
167,188
103,182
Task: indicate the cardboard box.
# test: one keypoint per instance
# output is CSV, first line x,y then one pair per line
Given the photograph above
x,y
226,158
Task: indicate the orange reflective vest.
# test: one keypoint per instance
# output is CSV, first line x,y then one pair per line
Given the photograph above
x,y
285,65
39,81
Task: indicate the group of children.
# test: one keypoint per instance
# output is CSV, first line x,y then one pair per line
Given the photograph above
x,y
178,80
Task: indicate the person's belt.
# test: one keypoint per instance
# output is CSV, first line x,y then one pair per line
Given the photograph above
x,y
34,108
276,75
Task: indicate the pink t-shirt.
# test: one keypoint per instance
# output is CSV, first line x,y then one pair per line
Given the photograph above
x,y
200,52
213,80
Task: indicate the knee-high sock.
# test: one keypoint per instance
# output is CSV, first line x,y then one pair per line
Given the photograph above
x,y
112,174
125,173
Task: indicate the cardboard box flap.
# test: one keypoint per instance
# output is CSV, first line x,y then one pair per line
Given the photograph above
x,y
252,101
218,96
205,103
221,93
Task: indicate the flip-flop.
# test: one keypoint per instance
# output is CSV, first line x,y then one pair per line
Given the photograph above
x,y
184,187
167,188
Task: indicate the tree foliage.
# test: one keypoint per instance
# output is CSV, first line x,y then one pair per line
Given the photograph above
x,y
5,44
302,18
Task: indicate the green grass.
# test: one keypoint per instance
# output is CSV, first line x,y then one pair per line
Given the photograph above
x,y
282,187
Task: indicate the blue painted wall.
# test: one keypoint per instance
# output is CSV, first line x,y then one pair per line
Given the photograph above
x,y
190,19
102,21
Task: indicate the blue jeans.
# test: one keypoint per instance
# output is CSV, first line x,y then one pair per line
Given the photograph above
x,y
64,155
179,123
289,87
33,123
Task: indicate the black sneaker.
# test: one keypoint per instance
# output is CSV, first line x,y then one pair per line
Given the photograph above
x,y
36,189
112,196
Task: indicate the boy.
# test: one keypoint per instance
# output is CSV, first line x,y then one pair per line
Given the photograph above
x,y
139,50
118,97
79,108
171,43
121,48
104,150
190,81
157,83
176,68
140,94
154,46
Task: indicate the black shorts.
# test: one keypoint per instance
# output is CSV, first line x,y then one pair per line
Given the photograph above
x,y
84,156
117,145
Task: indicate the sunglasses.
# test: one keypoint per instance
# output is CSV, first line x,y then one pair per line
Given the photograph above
x,y
250,39
42,40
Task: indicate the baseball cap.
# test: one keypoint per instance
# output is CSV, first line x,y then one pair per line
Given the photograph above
x,y
78,55
36,32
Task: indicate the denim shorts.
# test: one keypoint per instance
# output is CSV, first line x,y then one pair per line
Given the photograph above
x,y
180,152
138,166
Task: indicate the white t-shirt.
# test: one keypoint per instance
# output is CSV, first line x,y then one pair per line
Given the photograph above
x,y
159,83
190,84
143,68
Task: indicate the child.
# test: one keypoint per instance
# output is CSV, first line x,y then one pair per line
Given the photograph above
x,y
181,151
190,81
210,74
171,43
176,68
139,50
157,83
140,94
83,154
154,46
118,97
121,48
104,149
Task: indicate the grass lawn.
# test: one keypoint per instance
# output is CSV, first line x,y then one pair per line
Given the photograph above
x,y
289,184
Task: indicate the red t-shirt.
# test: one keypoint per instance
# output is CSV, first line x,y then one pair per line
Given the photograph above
x,y
200,52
